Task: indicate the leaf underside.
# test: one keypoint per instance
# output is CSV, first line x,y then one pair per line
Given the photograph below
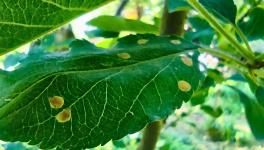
x,y
22,21
110,93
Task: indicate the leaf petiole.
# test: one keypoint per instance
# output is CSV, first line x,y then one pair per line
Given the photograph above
x,y
221,54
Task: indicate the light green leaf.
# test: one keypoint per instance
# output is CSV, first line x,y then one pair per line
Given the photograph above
x,y
88,96
23,21
117,24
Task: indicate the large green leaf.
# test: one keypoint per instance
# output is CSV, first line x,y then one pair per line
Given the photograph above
x,y
117,24
21,21
224,9
107,94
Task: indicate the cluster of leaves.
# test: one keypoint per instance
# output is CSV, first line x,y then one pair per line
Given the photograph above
x,y
85,96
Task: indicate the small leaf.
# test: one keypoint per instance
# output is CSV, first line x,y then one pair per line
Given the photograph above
x,y
101,94
117,24
225,10
201,94
214,112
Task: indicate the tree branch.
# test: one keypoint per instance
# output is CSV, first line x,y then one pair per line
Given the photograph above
x,y
171,24
121,7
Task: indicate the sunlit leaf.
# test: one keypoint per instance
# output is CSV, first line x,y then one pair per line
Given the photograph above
x,y
22,21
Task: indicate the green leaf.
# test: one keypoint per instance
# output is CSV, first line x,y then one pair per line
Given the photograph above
x,y
201,94
214,112
200,32
254,114
88,96
23,21
102,33
253,26
213,77
117,24
257,90
225,10
178,5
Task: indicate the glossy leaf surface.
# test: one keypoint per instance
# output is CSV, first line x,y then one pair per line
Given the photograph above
x,y
88,96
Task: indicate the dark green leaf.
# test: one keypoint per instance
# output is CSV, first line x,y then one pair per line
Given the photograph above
x,y
117,24
102,33
237,77
254,114
200,32
225,10
178,5
23,21
256,84
258,92
214,112
253,26
107,94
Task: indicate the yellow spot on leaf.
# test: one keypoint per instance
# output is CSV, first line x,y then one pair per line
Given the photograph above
x,y
64,116
175,42
184,86
187,61
124,55
56,102
142,41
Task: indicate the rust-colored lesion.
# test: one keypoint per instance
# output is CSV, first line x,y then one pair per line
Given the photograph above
x,y
124,55
187,61
56,102
64,116
184,86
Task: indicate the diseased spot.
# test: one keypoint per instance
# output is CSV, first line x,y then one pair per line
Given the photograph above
x,y
142,41
56,102
175,42
64,115
184,86
124,55
187,61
